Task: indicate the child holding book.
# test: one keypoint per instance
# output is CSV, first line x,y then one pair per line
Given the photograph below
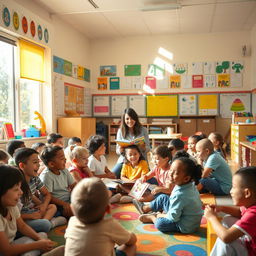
x,y
182,210
237,233
57,179
31,243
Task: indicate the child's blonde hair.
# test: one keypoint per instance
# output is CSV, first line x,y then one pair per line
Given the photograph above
x,y
77,152
89,200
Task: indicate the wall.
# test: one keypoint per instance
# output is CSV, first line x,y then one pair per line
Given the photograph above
x,y
253,53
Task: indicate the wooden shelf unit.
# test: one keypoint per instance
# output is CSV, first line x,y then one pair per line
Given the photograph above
x,y
248,154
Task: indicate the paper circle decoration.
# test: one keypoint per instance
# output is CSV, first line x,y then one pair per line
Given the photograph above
x,y
32,28
46,35
24,23
6,17
16,20
39,32
237,105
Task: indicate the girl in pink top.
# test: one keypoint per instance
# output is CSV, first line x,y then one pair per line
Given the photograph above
x,y
161,158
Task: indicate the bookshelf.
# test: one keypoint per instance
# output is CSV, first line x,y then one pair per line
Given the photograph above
x,y
248,154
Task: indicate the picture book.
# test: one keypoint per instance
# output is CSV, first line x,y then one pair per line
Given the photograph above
x,y
138,189
113,183
126,143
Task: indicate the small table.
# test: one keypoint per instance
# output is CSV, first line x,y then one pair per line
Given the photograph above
x,y
154,137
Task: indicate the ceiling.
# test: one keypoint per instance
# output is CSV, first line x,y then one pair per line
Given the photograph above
x,y
123,18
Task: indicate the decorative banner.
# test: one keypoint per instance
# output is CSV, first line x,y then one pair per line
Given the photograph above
x,y
39,32
24,23
6,17
180,68
80,73
16,20
58,65
67,68
114,83
237,67
150,81
132,70
224,80
46,35
32,28
102,83
197,81
175,81
108,70
222,67
87,75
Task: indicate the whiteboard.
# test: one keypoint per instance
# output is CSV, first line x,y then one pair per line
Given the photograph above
x,y
101,106
187,104
138,103
242,103
118,105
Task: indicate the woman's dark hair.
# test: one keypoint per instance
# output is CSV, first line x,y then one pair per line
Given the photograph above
x,y
49,153
94,142
163,151
137,126
37,145
9,177
132,147
248,175
193,170
12,145
53,137
74,140
176,144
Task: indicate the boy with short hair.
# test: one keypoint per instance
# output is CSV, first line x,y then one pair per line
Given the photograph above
x,y
11,147
238,235
216,176
90,232
55,139
57,178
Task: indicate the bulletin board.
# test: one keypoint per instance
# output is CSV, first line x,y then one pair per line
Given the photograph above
x,y
101,106
162,105
187,104
234,102
118,105
208,104
138,103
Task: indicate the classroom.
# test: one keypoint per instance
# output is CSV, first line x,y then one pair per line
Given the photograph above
x,y
180,68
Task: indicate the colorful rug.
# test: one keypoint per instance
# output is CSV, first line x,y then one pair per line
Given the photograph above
x,y
150,240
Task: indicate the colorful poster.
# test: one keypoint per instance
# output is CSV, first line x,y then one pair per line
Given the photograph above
x,y
236,80
175,81
80,72
102,83
223,80
58,65
39,32
180,68
74,71
101,106
209,67
187,104
197,81
222,67
24,23
150,81
207,104
118,104
209,81
197,68
87,75
108,70
114,83
6,17
67,68
32,28
237,67
156,71
16,20
132,70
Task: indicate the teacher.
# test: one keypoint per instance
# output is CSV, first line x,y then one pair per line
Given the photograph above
x,y
130,129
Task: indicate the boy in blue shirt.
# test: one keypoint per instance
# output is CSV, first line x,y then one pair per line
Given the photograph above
x,y
216,176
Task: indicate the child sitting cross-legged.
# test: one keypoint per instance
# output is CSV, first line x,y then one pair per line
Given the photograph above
x,y
182,210
57,179
218,142
237,235
91,231
37,212
216,177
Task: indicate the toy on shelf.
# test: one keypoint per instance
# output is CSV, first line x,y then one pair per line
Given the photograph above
x,y
32,132
42,123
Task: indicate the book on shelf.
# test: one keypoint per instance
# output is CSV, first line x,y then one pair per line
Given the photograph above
x,y
138,189
126,143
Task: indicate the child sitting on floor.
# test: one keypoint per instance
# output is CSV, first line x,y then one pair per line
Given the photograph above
x,y
39,146
55,139
176,145
216,177
192,140
57,179
182,210
11,147
37,212
4,157
75,141
10,220
90,231
237,235
217,141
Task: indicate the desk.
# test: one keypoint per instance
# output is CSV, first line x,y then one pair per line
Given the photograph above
x,y
248,154
154,137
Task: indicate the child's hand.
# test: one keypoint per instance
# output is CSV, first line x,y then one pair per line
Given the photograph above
x,y
67,212
209,212
41,208
156,190
35,215
111,175
143,179
45,244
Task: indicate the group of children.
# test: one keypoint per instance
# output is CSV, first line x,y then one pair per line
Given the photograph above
x,y
40,193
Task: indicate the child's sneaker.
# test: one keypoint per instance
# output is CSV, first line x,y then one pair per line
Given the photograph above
x,y
115,198
125,199
58,221
138,205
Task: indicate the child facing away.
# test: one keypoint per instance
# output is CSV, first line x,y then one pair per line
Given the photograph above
x,y
216,177
37,212
11,147
218,142
176,145
4,157
97,161
161,158
57,179
75,141
79,168
91,231
182,210
55,139
11,221
237,235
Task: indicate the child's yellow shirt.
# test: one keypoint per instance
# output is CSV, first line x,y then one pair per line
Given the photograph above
x,y
134,173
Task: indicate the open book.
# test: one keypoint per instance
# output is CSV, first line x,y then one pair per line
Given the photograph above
x,y
113,183
138,189
126,143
